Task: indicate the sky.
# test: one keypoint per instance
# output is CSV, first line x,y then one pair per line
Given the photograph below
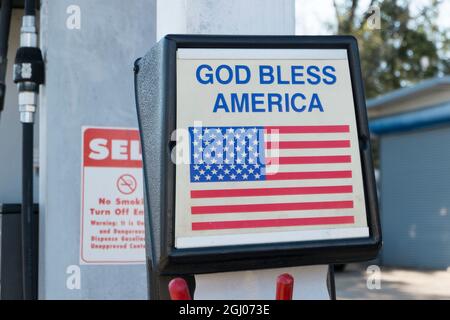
x,y
313,17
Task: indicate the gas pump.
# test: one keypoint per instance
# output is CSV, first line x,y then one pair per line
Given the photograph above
x,y
241,170
203,218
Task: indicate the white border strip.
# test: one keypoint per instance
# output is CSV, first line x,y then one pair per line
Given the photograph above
x,y
275,237
262,54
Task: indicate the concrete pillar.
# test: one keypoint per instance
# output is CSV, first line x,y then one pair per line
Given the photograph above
x,y
89,48
264,17
253,17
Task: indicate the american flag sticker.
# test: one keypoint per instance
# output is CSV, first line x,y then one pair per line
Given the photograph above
x,y
268,156
257,178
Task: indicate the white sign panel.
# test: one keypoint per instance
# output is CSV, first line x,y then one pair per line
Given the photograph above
x,y
112,217
273,148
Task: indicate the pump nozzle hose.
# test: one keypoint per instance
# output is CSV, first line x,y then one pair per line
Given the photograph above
x,y
28,74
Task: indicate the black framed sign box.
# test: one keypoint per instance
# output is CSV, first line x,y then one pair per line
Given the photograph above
x,y
256,153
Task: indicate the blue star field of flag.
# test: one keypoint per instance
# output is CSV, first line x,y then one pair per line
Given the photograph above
x,y
220,154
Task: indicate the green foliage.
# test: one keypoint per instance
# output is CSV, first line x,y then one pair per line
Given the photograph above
x,y
406,48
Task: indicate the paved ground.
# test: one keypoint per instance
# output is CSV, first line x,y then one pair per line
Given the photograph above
x,y
395,284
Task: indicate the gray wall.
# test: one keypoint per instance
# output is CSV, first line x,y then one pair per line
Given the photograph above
x,y
415,198
89,81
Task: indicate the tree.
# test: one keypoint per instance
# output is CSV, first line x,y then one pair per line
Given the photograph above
x,y
406,48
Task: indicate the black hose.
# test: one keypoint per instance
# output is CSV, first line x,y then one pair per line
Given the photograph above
x,y
30,7
29,270
5,19
5,22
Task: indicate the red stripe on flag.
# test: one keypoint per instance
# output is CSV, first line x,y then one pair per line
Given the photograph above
x,y
310,175
307,144
257,192
309,160
267,207
308,129
243,224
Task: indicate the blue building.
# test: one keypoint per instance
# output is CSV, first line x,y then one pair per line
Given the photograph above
x,y
413,128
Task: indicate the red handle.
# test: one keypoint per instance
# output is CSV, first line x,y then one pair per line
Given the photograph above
x,y
179,289
285,287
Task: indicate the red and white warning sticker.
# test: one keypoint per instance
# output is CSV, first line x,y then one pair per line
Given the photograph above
x,y
112,217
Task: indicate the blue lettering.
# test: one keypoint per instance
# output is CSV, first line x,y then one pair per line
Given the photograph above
x,y
270,102
274,99
228,70
264,73
294,106
296,72
220,103
315,103
256,100
311,71
237,105
207,77
238,74
280,81
331,75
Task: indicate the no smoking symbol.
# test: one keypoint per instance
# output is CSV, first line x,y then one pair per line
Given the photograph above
x,y
126,184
